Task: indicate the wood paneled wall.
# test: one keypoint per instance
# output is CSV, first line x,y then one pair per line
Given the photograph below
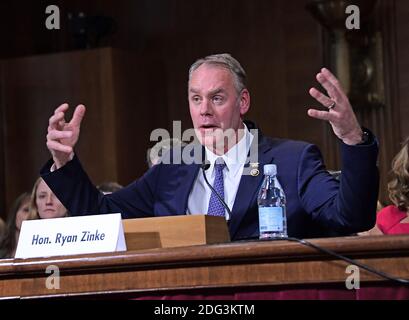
x,y
383,120
280,58
402,65
115,130
2,150
278,43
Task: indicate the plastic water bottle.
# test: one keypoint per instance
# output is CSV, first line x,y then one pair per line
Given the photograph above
x,y
271,206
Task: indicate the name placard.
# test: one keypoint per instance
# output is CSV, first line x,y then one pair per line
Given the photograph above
x,y
71,235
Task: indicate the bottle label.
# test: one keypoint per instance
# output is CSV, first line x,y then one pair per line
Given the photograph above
x,y
271,219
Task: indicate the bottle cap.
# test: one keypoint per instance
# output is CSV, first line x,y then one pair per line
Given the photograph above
x,y
270,169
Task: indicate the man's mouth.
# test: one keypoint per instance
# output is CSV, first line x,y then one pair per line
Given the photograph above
x,y
208,127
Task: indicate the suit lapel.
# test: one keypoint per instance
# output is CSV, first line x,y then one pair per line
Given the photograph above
x,y
248,187
188,174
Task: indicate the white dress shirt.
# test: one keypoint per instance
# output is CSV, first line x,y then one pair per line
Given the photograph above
x,y
235,159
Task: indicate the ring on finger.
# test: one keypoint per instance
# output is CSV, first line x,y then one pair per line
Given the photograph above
x,y
331,106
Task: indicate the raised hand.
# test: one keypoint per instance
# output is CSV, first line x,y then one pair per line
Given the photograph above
x,y
340,113
63,136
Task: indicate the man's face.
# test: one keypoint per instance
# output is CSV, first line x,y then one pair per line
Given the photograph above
x,y
215,106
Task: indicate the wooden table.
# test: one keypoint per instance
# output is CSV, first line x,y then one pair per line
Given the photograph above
x,y
250,266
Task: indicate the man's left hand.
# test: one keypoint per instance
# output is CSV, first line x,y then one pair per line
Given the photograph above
x,y
340,113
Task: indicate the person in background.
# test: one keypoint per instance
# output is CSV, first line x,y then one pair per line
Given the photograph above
x,y
394,219
109,187
44,204
18,213
2,227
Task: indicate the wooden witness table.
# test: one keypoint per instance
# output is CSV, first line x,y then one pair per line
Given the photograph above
x,y
240,270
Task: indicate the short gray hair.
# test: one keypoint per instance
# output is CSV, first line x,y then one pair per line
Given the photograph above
x,y
224,60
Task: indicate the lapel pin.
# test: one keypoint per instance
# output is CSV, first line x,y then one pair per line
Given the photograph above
x,y
254,169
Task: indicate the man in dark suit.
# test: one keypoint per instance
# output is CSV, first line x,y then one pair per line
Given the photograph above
x,y
317,204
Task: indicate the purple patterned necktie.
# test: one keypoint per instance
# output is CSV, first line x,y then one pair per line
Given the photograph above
x,y
215,206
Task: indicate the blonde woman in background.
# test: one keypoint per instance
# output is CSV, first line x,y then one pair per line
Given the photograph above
x,y
44,204
394,219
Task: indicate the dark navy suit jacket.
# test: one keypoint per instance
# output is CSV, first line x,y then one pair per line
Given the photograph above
x,y
317,204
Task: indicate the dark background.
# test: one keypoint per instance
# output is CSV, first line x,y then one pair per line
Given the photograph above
x,y
138,81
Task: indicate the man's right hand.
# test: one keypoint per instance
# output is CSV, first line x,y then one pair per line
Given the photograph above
x,y
63,136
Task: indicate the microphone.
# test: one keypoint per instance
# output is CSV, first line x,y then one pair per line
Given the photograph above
x,y
206,165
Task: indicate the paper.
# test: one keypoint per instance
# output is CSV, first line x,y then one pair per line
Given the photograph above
x,y
71,235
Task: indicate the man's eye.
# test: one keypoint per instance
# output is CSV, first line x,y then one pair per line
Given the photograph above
x,y
196,99
217,99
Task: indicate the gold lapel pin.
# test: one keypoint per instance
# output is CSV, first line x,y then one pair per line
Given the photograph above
x,y
254,169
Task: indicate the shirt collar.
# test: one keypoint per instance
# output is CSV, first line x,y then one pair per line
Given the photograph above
x,y
236,157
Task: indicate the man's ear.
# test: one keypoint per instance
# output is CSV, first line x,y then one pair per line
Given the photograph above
x,y
244,102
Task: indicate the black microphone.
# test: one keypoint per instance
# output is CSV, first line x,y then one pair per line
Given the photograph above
x,y
206,165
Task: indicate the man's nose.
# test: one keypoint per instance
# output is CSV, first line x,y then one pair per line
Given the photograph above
x,y
206,108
